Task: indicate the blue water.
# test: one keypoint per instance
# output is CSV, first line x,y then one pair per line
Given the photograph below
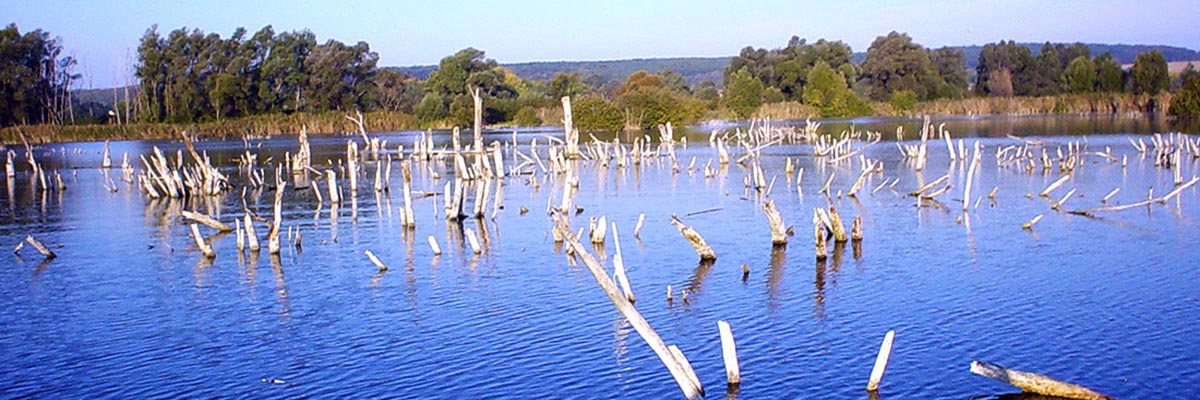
x,y
130,309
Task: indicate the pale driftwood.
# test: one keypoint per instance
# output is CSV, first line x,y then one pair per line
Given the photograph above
x,y
619,266
472,240
375,260
273,234
1029,225
251,236
691,389
702,248
637,229
930,185
1055,185
433,245
966,200
881,360
1148,201
598,231
729,354
836,227
819,247
478,128
1035,383
201,244
241,240
775,223
207,221
856,229
37,245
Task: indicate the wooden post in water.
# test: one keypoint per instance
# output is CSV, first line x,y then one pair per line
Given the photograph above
x,y
729,353
836,226
702,249
775,223
273,234
204,247
251,237
478,120
885,350
570,135
433,245
470,234
1034,383
637,229
375,260
856,229
818,236
331,180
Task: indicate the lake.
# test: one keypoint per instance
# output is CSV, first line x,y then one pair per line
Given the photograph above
x,y
131,309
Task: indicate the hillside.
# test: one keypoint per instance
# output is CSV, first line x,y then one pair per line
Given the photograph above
x,y
699,69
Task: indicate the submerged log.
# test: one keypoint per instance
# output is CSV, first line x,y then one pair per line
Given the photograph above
x,y
674,361
881,360
1034,383
200,243
375,260
729,353
207,221
702,249
41,248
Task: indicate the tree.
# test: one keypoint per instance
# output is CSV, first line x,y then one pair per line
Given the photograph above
x,y
1080,75
827,91
1185,104
951,67
396,91
1047,72
1109,77
894,63
1013,64
591,113
34,80
339,76
1149,73
646,102
743,94
566,85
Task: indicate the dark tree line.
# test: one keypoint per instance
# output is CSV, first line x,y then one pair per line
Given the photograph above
x,y
35,78
188,76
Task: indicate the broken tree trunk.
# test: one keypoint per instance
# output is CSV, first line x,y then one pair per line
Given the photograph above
x,y
775,222
1034,383
207,221
702,249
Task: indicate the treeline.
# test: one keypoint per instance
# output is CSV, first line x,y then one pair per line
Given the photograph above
x,y
188,76
35,78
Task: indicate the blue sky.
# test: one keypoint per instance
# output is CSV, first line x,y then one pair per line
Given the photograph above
x,y
104,35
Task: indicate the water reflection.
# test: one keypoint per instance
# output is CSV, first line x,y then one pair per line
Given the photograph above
x,y
818,309
775,270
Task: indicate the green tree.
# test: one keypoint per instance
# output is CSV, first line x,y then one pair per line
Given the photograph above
x,y
895,63
592,113
1109,77
951,67
1005,69
1149,73
743,94
904,100
827,91
1080,75
526,116
1185,104
34,79
566,85
1047,72
432,108
646,102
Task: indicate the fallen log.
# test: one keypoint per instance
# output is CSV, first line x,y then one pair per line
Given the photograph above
x,y
1035,383
207,221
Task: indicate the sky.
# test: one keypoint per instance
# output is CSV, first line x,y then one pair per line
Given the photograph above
x,y
103,36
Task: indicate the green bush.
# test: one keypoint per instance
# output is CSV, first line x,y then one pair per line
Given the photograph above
x,y
591,113
904,100
526,116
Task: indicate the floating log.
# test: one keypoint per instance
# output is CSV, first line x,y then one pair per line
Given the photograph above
x,y
375,260
930,185
729,353
702,249
885,351
1035,383
200,243
690,387
433,245
207,221
37,245
775,223
1054,185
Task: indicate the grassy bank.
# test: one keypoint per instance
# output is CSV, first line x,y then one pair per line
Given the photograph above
x,y
260,125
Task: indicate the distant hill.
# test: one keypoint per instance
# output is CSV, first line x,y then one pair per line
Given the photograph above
x,y
693,69
1123,53
699,69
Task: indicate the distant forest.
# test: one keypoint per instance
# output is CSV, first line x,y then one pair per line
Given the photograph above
x,y
699,69
187,76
